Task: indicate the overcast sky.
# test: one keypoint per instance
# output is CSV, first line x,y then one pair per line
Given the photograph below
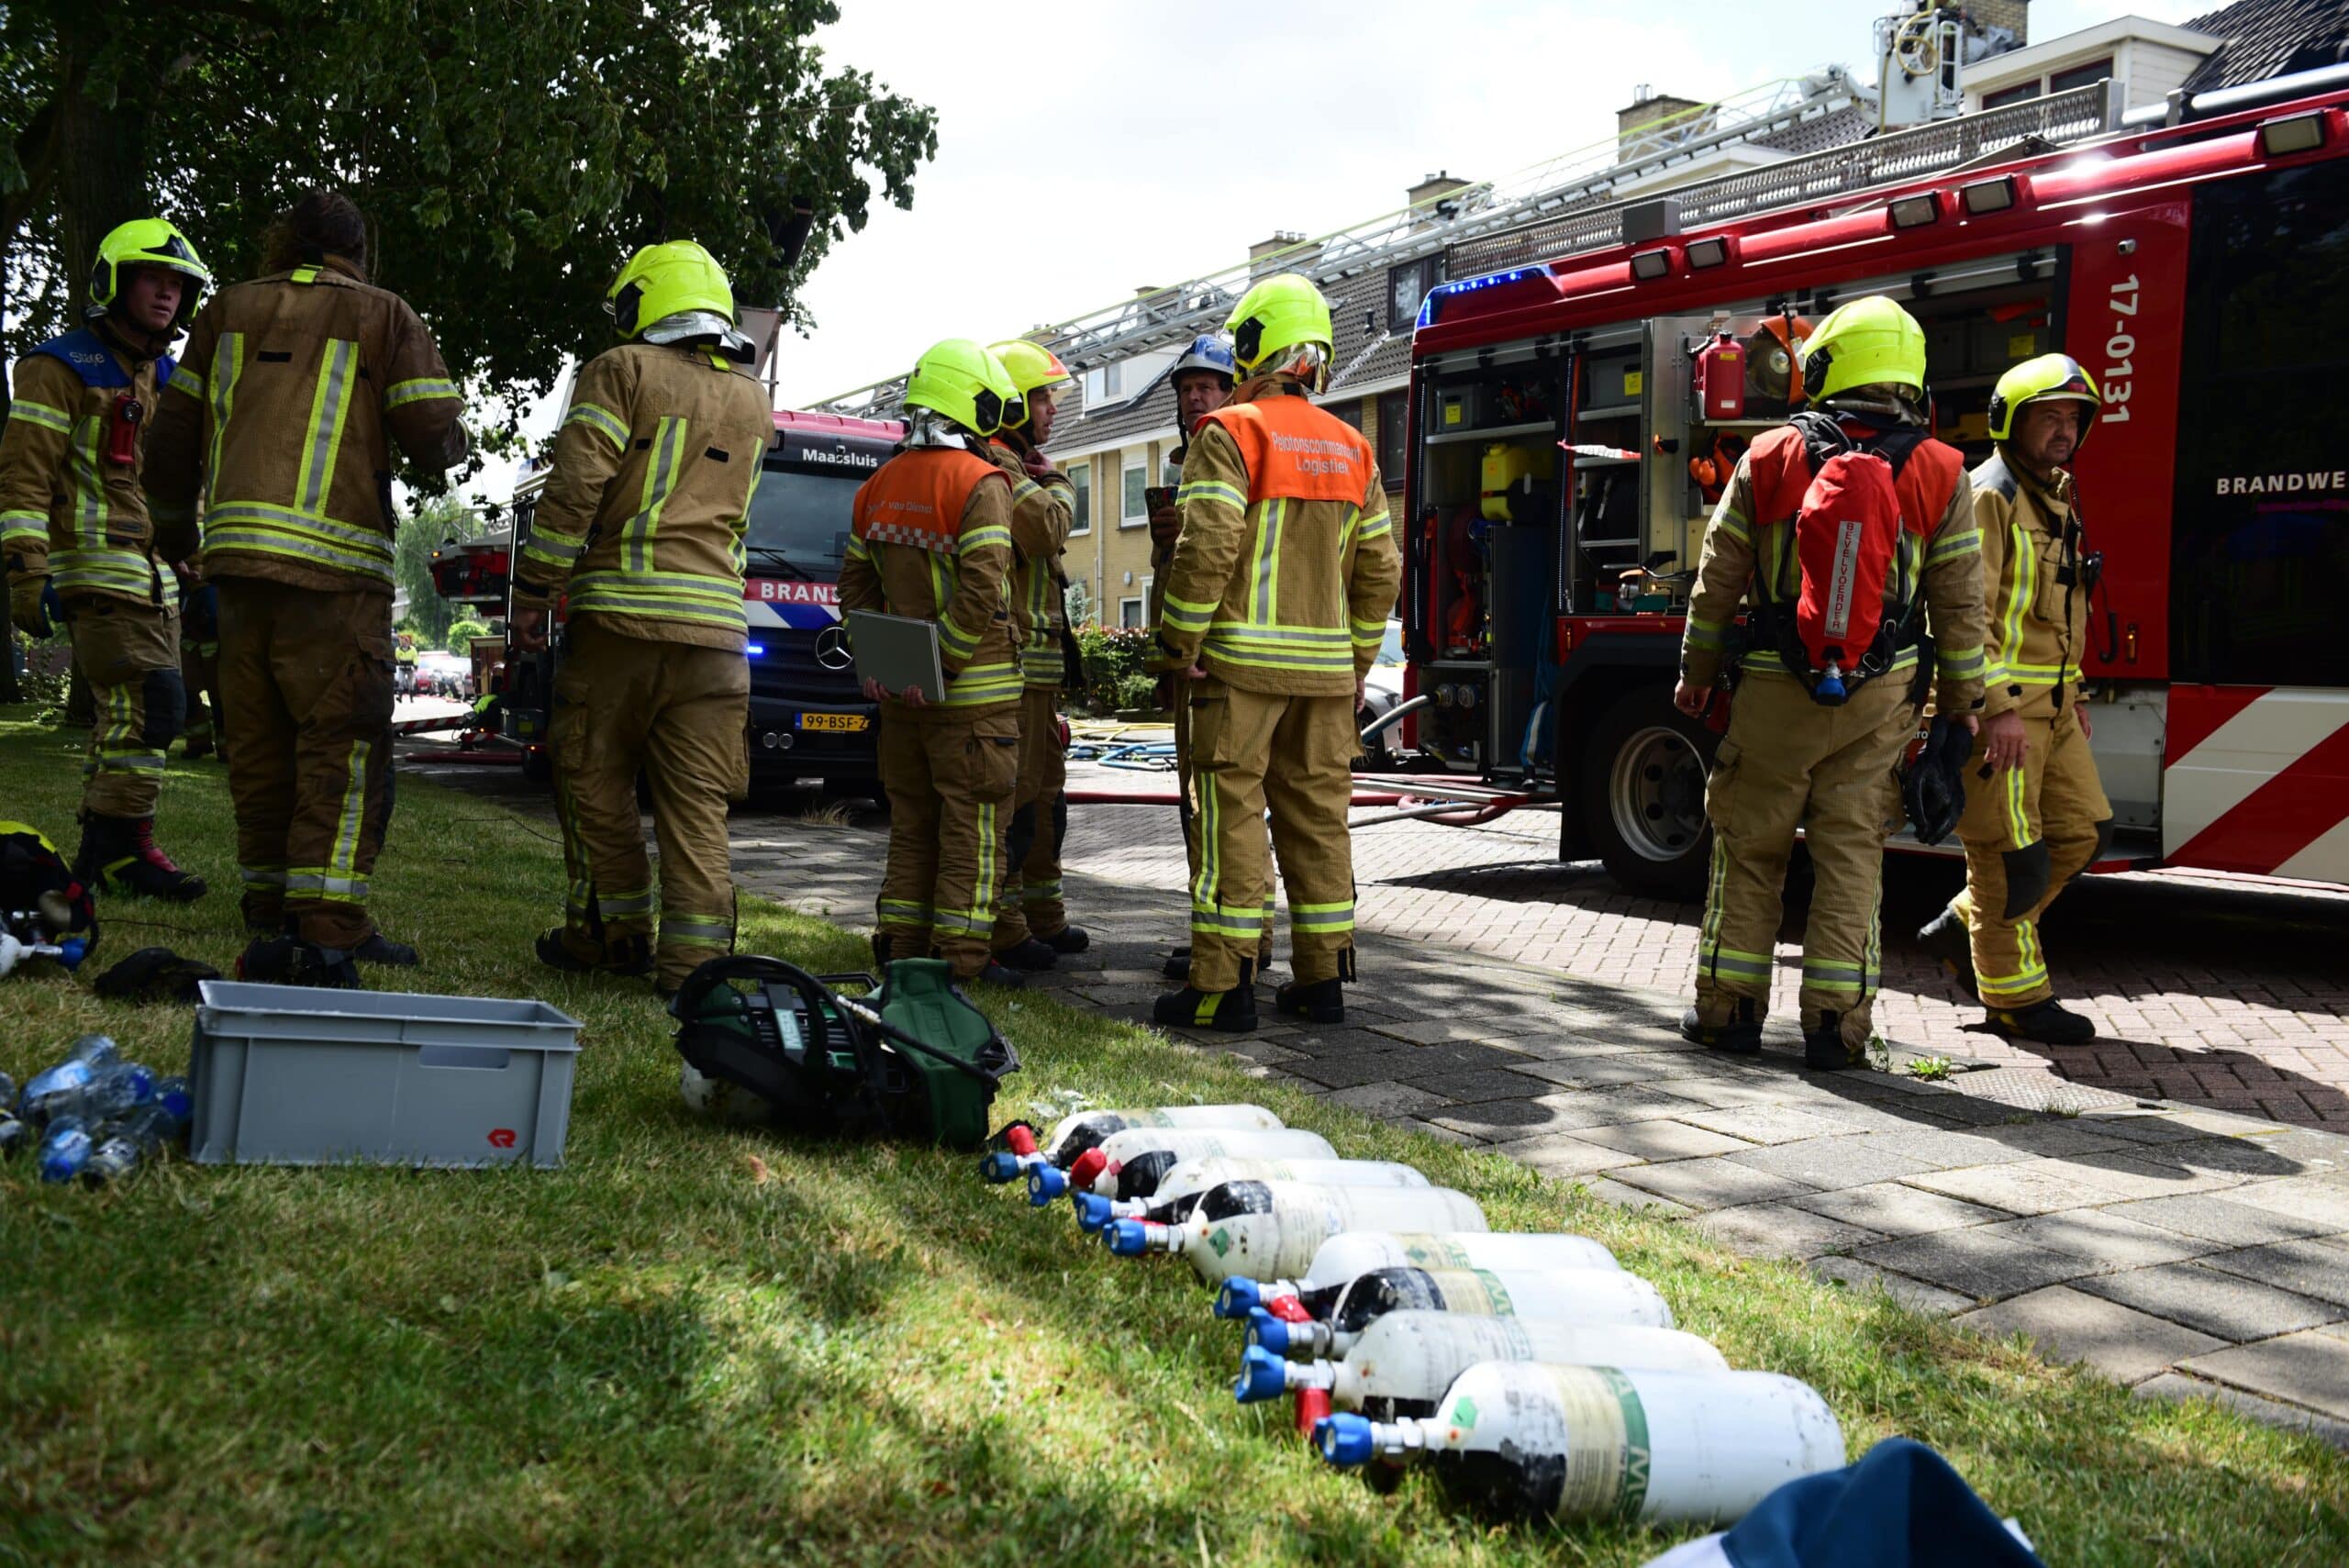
x,y
1086,149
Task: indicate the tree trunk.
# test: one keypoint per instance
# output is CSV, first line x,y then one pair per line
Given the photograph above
x,y
102,161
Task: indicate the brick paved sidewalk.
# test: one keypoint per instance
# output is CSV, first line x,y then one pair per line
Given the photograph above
x,y
2186,1251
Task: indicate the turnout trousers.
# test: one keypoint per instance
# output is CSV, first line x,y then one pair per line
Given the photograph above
x,y
129,654
200,671
1030,904
306,685
679,715
1788,763
2028,833
949,775
1252,750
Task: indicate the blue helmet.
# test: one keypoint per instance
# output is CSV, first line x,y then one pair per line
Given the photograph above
x,y
1207,353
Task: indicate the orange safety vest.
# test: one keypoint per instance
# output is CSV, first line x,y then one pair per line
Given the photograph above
x,y
1296,452
918,497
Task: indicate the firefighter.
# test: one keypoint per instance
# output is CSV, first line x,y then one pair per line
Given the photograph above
x,y
80,538
1277,600
2036,814
641,528
1203,379
1031,927
930,538
1789,761
295,387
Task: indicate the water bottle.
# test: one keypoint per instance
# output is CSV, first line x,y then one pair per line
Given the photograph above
x,y
1602,1442
1074,1135
1172,1197
1274,1228
175,1096
90,1053
8,1092
129,1142
112,1092
1101,1168
1342,1257
65,1149
1402,1363
14,1134
1335,1315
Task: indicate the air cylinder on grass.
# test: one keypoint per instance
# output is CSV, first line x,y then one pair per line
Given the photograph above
x,y
1334,1317
1172,1196
1072,1136
1274,1228
1343,1257
1100,1168
1600,1442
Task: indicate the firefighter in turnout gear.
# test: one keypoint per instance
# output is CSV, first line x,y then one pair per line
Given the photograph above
x,y
285,411
1031,928
2036,811
78,536
640,526
200,670
931,540
1277,601
1203,379
1791,761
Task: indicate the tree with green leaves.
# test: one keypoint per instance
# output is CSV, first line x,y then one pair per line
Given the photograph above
x,y
442,519
508,156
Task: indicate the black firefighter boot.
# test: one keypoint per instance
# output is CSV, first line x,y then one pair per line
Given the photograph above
x,y
1740,1032
1318,1001
287,960
1945,938
1824,1048
1031,955
1231,1012
120,855
1068,940
2046,1021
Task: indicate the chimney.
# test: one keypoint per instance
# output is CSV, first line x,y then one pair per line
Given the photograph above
x,y
1649,106
1440,183
1263,259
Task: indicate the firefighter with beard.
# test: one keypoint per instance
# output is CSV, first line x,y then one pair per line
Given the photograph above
x,y
80,538
2036,814
1818,761
930,540
1203,379
296,388
1276,602
640,526
1031,928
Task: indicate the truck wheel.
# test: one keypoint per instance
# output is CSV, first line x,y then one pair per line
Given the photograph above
x,y
1643,795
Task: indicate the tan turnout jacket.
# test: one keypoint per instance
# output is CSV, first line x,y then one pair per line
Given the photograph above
x,y
1042,511
2038,622
932,539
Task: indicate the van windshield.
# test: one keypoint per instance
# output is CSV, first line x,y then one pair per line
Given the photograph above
x,y
803,518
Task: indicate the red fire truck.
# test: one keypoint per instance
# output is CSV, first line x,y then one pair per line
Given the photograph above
x,y
1573,419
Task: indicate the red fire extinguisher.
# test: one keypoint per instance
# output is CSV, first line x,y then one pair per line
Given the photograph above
x,y
1720,378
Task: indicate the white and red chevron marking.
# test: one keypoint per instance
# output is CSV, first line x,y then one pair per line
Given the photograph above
x,y
2257,780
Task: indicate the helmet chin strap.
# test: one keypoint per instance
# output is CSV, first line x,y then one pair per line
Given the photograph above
x,y
133,338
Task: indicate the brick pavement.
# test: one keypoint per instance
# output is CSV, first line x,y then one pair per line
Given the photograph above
x,y
2177,1245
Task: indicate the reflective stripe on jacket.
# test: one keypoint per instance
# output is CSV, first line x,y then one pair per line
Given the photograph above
x,y
67,511
284,412
1042,511
931,540
644,511
2038,621
1287,568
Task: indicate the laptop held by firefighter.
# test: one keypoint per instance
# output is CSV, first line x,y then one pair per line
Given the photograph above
x,y
897,651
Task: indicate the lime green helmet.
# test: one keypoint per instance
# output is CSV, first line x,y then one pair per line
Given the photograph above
x,y
966,384
1033,368
1866,342
1284,311
661,279
146,242
2050,378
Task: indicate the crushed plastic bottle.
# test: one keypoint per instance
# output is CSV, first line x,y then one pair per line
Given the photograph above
x,y
1335,1315
64,1150
1101,1169
1173,1197
1274,1228
8,1092
14,1134
1072,1136
89,1055
175,1096
112,1092
1404,1362
129,1143
1343,1257
1591,1443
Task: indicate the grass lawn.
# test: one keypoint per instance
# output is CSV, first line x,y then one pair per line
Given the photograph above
x,y
698,1344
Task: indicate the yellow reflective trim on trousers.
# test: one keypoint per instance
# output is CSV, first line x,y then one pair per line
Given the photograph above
x,y
1322,916
660,479
1264,591
695,930
42,415
329,406
345,858
1203,885
2018,808
228,364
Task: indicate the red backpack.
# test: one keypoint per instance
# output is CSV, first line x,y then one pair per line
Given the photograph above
x,y
1850,501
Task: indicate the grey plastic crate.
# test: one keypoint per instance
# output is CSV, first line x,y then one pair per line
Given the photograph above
x,y
296,1075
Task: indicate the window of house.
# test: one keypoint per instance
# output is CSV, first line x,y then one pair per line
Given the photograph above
x,y
1393,426
1348,410
1407,285
1136,499
1080,476
2080,75
1130,612
2020,93
1103,382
